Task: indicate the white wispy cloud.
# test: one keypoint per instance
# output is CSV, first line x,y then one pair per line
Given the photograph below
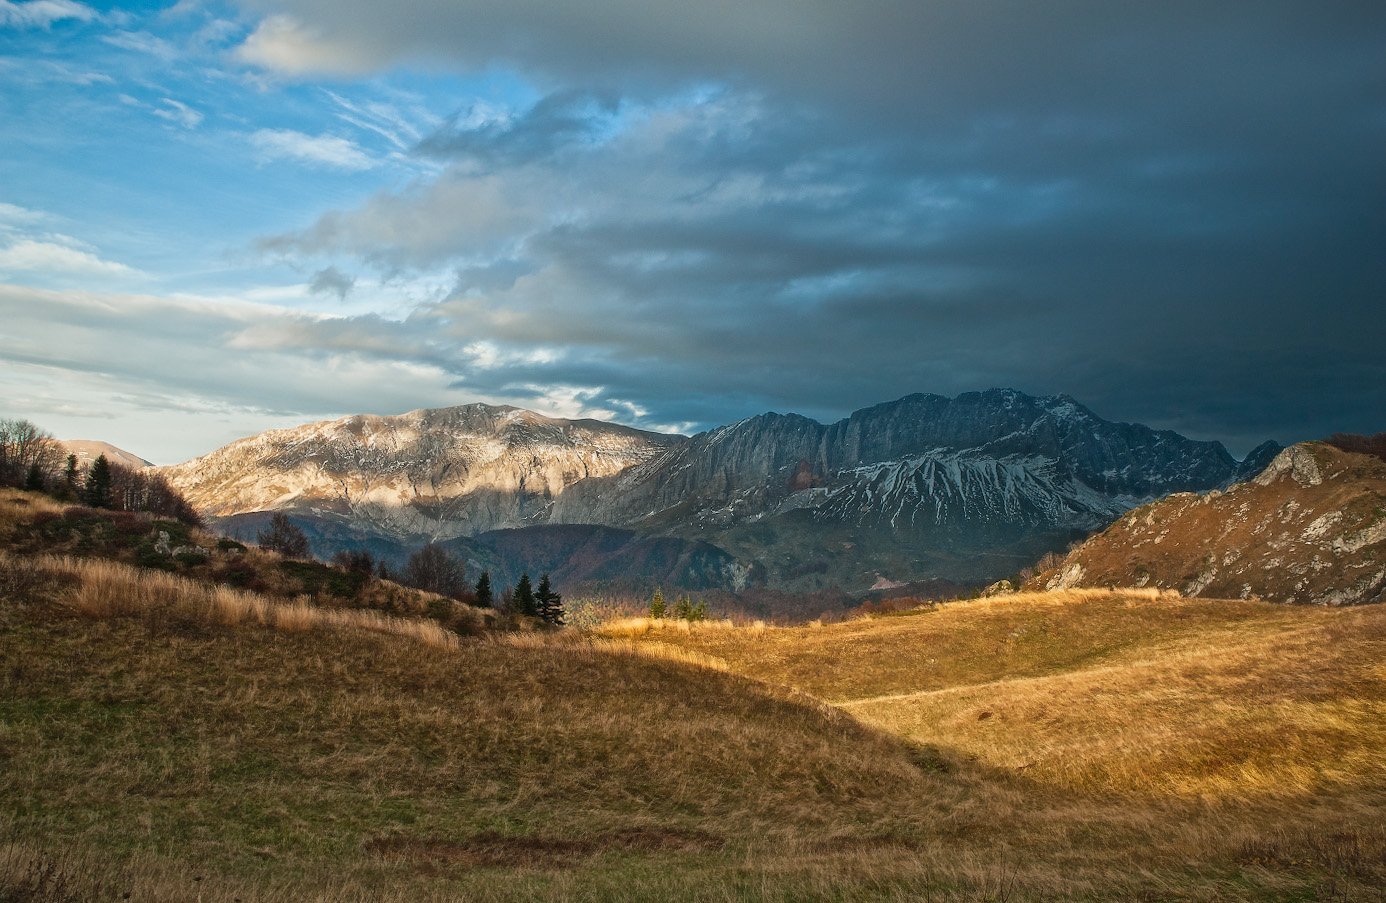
x,y
34,256
179,113
382,118
322,150
142,42
43,13
12,214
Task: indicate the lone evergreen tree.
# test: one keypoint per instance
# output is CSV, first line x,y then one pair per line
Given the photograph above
x,y
657,607
97,492
282,537
484,596
70,480
523,602
549,603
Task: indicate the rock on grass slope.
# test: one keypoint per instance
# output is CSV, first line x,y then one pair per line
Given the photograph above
x,y
1311,528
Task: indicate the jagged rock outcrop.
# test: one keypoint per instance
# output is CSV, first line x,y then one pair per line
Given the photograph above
x,y
428,474
1310,528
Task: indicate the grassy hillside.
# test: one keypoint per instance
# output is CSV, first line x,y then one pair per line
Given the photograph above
x,y
1099,691
281,752
1197,727
171,739
1311,528
35,524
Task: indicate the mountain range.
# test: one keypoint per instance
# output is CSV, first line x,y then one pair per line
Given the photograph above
x,y
925,487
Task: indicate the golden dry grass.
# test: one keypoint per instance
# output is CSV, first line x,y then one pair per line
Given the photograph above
x,y
106,589
1272,708
155,731
18,507
1106,691
136,724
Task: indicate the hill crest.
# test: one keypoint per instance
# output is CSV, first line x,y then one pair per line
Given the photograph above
x,y
1310,528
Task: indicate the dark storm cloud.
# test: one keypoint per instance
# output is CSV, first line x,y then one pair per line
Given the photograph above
x,y
1174,211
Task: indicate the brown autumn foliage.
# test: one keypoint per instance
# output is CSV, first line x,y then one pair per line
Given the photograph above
x,y
1357,443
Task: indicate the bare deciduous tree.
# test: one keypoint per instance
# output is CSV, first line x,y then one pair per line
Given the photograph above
x,y
23,446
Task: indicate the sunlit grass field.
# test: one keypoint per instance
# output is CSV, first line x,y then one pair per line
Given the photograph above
x,y
173,741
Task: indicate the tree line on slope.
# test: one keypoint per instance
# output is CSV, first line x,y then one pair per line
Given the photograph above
x,y
30,458
430,568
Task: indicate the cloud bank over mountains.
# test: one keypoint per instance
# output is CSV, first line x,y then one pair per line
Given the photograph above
x,y
681,214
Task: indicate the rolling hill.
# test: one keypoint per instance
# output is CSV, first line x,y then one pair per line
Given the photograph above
x,y
1077,747
88,450
167,742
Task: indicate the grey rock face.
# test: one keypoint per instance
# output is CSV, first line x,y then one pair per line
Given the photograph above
x,y
1257,460
921,462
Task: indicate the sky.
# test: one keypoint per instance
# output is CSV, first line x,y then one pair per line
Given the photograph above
x,y
222,217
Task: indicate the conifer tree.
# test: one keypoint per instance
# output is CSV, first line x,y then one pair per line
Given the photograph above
x,y
97,492
683,609
549,603
523,602
657,606
70,478
484,597
34,479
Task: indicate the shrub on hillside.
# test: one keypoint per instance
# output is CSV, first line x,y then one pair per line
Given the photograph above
x,y
356,560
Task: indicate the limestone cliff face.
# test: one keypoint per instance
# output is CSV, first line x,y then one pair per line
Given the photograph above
x,y
426,474
1311,528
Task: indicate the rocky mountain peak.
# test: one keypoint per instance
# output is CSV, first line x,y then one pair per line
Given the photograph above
x,y
427,473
